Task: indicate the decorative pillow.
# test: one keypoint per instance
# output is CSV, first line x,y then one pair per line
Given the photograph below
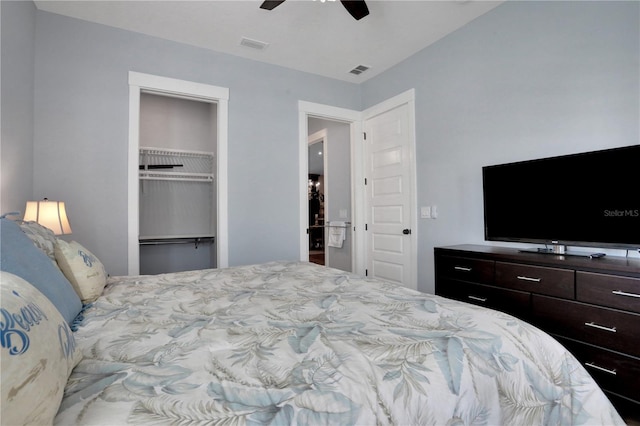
x,y
21,257
83,270
37,355
42,237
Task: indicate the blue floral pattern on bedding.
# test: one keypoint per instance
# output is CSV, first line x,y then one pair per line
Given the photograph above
x,y
296,343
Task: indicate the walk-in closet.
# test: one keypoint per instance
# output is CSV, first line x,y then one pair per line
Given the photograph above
x,y
177,184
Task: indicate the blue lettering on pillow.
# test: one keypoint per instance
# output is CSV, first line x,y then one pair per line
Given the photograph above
x,y
67,341
14,327
88,260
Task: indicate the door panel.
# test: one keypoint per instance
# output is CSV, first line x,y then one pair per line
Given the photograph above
x,y
389,271
388,243
391,185
391,215
389,196
387,157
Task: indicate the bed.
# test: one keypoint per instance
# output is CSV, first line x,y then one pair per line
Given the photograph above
x,y
297,343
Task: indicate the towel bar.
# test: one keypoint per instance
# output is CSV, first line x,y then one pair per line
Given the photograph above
x,y
346,225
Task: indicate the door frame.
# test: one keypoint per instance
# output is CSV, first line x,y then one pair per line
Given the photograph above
x,y
147,83
320,136
354,119
408,98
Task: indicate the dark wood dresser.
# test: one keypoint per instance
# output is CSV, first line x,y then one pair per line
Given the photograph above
x,y
592,306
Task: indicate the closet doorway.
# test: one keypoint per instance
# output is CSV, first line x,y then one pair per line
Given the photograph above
x,y
177,219
177,175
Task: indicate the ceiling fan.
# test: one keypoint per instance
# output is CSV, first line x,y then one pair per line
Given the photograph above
x,y
357,8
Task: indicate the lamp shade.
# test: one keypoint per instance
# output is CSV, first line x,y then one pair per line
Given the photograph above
x,y
50,214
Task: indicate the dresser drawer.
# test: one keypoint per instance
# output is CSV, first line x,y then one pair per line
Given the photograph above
x,y
516,303
461,268
609,328
613,371
608,290
536,279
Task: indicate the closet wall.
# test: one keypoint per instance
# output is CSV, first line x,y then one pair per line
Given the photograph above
x,y
177,184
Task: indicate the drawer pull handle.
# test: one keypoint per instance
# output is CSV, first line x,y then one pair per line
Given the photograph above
x,y
600,327
479,299
624,293
597,367
462,268
523,278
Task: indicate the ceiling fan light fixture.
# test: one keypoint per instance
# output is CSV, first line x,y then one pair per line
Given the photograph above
x,y
271,4
356,8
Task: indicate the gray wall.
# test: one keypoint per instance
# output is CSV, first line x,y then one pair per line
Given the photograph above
x,y
18,41
175,123
81,139
526,80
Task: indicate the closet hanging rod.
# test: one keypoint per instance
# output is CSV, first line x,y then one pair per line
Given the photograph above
x,y
142,238
175,174
179,240
181,176
178,179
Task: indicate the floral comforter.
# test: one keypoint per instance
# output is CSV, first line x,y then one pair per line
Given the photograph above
x,y
295,343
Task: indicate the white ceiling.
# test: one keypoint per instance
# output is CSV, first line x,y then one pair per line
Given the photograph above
x,y
312,36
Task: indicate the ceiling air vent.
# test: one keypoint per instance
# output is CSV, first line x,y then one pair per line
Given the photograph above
x,y
254,44
359,69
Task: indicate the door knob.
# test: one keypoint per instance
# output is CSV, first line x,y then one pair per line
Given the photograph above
x,y
406,231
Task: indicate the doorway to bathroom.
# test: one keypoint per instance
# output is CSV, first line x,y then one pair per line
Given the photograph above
x,y
316,196
329,192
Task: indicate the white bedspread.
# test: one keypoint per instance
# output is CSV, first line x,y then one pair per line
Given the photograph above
x,y
296,343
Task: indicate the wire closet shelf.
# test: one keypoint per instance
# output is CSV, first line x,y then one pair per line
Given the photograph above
x,y
175,165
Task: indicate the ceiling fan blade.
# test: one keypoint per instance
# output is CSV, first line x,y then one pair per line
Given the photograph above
x,y
271,4
357,8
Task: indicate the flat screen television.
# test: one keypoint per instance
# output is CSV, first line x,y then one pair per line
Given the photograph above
x,y
589,199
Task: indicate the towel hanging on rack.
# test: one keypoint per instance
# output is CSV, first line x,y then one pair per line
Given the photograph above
x,y
337,233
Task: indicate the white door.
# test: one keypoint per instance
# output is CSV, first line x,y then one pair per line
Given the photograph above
x,y
389,163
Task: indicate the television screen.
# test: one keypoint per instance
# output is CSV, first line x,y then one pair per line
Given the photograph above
x,y
588,199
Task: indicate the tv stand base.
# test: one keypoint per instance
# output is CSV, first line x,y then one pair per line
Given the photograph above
x,y
540,250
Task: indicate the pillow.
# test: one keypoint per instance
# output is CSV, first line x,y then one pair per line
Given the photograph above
x,y
42,237
37,354
83,270
21,257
